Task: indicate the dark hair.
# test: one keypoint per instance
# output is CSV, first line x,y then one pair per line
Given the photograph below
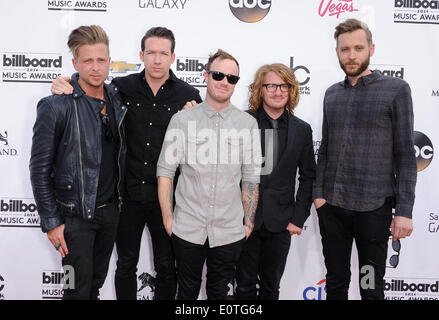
x,y
351,25
160,32
220,54
86,35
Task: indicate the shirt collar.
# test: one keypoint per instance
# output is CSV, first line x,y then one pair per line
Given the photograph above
x,y
264,115
172,76
365,80
212,112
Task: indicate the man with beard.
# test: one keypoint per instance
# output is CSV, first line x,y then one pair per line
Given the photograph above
x,y
366,166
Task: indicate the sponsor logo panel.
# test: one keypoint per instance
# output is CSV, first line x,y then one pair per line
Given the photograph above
x,y
336,7
163,4
411,289
78,5
250,10
18,213
191,70
416,11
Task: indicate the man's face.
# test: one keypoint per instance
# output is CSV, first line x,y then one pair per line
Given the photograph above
x,y
277,100
92,64
157,57
354,52
221,91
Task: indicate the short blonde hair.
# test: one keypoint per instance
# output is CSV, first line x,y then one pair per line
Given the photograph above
x,y
86,35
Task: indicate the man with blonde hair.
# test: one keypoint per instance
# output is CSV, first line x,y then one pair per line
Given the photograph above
x,y
287,146
76,166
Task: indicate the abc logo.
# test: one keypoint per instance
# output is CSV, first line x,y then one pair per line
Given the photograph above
x,y
250,10
424,150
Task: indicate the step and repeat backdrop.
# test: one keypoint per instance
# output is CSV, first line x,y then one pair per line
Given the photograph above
x,y
298,33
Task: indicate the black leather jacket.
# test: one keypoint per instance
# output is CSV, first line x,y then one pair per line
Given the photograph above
x,y
66,154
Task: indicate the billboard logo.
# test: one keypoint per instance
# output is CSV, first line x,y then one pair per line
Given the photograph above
x,y
18,213
394,71
416,11
31,67
191,70
250,10
95,6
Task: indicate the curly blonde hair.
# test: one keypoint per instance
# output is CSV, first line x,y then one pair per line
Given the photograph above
x,y
282,71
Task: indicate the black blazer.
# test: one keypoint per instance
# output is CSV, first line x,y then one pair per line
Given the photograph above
x,y
278,204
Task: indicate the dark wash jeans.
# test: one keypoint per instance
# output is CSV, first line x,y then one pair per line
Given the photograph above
x,y
90,244
131,226
370,230
220,262
262,261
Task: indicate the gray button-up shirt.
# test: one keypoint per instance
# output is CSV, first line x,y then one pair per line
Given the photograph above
x,y
367,151
214,151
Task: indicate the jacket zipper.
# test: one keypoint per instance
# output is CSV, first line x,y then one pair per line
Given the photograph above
x,y
80,160
118,160
71,206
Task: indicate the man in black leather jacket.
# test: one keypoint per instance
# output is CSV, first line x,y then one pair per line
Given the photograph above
x,y
77,158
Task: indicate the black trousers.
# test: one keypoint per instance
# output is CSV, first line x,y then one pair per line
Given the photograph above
x,y
90,244
262,262
370,230
131,226
220,262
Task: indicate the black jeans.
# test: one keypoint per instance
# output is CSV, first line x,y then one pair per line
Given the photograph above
x,y
265,255
132,223
370,230
90,244
220,262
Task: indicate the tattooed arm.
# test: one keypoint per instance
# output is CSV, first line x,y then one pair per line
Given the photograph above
x,y
165,199
250,195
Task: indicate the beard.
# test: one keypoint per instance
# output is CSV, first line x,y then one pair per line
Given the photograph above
x,y
360,69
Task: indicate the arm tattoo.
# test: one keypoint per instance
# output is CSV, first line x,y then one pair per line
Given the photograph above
x,y
250,195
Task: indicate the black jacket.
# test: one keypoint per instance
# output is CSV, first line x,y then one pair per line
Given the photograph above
x,y
66,154
279,204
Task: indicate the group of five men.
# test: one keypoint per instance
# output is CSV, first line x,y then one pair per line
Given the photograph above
x,y
145,149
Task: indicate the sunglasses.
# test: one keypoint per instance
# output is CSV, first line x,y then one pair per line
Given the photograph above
x,y
394,259
106,125
218,76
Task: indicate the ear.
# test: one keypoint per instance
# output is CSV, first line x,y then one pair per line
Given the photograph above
x,y
172,58
372,49
75,64
206,76
141,55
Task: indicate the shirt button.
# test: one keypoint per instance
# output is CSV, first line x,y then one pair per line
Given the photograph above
x,y
145,163
153,104
147,144
211,206
169,109
150,123
128,103
143,182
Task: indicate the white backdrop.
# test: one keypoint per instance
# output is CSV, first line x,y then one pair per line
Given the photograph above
x,y
298,33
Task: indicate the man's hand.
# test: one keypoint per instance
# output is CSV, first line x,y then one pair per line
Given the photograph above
x,y
294,229
401,227
164,189
61,85
167,223
248,232
56,237
319,202
189,104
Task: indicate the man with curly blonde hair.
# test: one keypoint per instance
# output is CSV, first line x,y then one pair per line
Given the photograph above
x,y
287,146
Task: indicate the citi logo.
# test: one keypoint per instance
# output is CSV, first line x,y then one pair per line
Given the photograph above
x,y
316,292
417,4
17,206
190,65
250,10
21,60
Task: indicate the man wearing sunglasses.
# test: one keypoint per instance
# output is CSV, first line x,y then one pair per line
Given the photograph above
x,y
366,166
287,146
152,97
212,215
77,161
